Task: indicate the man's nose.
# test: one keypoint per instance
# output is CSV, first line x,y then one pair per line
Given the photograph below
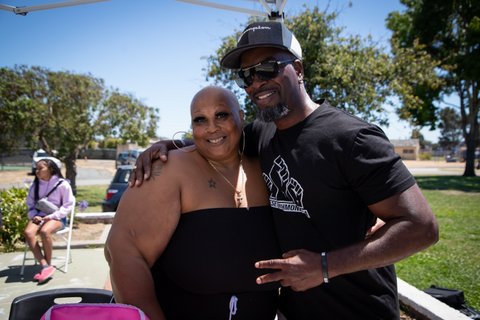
x,y
256,83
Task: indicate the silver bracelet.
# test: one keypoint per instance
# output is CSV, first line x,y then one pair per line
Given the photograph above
x,y
324,267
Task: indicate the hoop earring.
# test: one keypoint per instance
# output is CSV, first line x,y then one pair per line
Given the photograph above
x,y
243,144
182,148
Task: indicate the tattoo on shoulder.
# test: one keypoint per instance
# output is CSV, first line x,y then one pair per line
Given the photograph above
x,y
212,184
156,170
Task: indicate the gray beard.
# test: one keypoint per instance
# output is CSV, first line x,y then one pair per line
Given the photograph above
x,y
273,113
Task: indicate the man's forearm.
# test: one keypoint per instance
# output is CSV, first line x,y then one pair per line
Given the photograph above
x,y
394,241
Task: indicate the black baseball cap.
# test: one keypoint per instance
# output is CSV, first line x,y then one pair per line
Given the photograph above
x,y
262,34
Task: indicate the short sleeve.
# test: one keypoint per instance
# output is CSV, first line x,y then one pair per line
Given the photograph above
x,y
377,172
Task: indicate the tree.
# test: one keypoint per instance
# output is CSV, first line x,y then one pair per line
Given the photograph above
x,y
416,134
450,128
12,110
63,111
446,33
352,73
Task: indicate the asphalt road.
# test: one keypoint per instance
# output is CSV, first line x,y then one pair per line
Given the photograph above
x,y
93,176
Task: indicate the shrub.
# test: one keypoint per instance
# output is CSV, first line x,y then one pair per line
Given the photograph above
x,y
14,216
425,156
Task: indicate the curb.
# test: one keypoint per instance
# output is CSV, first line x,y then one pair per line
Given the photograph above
x,y
424,306
95,217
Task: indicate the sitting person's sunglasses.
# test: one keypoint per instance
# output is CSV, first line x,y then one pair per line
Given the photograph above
x,y
265,70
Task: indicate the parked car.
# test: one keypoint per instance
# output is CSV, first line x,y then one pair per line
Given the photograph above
x,y
122,159
128,157
451,158
42,154
116,188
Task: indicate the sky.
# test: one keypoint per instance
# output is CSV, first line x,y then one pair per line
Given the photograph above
x,y
155,50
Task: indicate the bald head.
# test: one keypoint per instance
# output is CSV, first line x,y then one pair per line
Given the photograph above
x,y
214,93
212,96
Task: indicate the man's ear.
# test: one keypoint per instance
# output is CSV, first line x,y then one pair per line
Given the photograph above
x,y
298,66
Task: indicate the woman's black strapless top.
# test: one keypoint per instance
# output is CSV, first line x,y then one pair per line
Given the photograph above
x,y
208,269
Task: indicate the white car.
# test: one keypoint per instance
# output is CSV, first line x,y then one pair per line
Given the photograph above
x,y
42,154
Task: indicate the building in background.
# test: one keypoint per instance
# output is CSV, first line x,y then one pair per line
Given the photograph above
x,y
408,149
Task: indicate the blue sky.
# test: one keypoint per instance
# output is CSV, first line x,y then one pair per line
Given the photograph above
x,y
155,49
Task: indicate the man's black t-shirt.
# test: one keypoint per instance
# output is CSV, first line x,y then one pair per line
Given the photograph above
x,y
322,174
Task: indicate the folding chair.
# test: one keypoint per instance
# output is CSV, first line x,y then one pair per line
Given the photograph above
x,y
34,305
66,235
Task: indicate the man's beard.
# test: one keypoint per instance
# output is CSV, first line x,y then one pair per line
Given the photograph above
x,y
272,113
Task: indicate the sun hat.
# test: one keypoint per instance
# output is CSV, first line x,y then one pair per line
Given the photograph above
x,y
262,34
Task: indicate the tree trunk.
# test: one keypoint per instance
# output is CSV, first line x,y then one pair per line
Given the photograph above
x,y
470,155
71,172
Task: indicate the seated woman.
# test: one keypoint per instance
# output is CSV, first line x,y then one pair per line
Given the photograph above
x,y
46,220
184,245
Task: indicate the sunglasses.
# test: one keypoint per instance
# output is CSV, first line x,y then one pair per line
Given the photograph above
x,y
264,71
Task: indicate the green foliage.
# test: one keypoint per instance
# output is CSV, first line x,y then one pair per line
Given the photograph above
x,y
109,143
92,144
12,115
416,83
435,44
64,111
450,128
14,211
453,261
425,156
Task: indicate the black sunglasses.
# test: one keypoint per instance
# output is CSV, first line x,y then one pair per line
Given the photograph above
x,y
265,70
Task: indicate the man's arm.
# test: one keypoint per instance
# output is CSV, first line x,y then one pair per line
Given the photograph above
x,y
159,150
410,226
144,222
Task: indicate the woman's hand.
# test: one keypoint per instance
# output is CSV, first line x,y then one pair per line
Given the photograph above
x,y
37,220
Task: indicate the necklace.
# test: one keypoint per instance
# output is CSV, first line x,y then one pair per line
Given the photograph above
x,y
238,194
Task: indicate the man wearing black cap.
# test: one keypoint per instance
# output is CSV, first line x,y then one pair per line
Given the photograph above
x,y
330,176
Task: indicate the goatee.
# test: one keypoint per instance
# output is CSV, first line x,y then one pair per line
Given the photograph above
x,y
273,113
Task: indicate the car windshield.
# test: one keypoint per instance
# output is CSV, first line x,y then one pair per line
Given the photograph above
x,y
123,176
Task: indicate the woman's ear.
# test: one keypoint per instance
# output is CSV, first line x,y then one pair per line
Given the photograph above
x,y
242,117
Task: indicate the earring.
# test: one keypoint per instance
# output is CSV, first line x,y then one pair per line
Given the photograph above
x,y
243,144
300,78
184,147
173,139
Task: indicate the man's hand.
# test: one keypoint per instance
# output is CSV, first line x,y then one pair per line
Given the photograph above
x,y
143,166
299,269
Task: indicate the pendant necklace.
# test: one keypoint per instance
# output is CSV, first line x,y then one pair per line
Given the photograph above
x,y
238,194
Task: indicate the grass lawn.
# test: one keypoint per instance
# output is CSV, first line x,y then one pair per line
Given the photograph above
x,y
454,262
93,195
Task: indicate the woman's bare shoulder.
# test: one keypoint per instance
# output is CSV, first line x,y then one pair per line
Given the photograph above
x,y
178,162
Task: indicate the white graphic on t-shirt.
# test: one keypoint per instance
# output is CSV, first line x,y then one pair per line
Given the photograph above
x,y
286,193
